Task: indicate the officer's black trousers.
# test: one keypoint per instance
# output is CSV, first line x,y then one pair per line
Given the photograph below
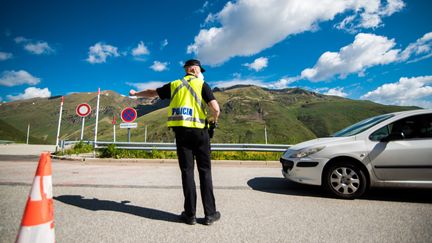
x,y
195,143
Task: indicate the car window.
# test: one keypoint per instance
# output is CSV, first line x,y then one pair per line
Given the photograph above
x,y
426,127
414,127
362,126
380,133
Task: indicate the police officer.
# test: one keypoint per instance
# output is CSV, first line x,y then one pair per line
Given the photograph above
x,y
188,118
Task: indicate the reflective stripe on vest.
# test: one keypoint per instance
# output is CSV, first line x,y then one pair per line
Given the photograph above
x,y
186,108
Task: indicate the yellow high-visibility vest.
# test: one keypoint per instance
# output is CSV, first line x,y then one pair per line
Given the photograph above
x,y
187,108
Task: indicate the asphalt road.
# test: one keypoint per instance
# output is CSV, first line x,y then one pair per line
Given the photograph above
x,y
139,202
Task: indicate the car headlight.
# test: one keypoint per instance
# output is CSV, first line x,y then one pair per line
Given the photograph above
x,y
306,152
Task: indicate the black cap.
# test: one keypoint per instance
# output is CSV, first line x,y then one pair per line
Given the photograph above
x,y
194,62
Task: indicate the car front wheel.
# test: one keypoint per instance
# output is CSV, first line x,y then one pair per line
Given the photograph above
x,y
345,180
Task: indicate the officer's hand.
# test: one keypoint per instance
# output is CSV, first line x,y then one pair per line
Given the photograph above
x,y
132,92
213,124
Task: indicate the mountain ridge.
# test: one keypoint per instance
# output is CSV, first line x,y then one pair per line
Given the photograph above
x,y
290,115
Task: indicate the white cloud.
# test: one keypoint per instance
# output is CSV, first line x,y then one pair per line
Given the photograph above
x,y
336,92
159,66
31,92
35,47
100,52
366,51
15,78
392,7
5,56
421,49
246,27
258,64
407,91
369,14
20,39
146,85
204,7
283,83
164,43
370,20
38,48
140,50
236,75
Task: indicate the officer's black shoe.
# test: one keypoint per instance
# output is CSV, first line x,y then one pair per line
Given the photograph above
x,y
209,220
191,220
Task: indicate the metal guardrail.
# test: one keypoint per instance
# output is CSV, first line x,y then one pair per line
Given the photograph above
x,y
6,142
172,146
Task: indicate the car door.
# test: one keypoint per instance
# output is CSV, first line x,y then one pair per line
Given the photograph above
x,y
405,157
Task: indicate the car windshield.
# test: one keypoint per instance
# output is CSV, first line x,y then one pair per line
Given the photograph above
x,y
362,126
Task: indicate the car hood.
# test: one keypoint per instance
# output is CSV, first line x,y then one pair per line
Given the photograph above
x,y
321,142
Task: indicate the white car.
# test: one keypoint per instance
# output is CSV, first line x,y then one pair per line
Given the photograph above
x,y
387,150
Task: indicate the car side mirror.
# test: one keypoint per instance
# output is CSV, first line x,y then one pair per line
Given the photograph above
x,y
393,136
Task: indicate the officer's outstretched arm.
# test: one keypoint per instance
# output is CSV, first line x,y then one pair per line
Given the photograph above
x,y
148,93
214,109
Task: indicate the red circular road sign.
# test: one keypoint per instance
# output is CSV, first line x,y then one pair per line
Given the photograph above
x,y
128,114
83,110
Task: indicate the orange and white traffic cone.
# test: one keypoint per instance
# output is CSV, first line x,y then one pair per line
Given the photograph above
x,y
37,224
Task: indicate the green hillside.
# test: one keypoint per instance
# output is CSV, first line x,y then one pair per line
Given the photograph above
x,y
42,114
10,133
290,116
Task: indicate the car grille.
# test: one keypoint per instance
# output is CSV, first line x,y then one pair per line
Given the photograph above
x,y
287,165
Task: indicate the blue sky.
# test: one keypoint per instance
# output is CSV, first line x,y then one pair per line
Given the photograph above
x,y
359,49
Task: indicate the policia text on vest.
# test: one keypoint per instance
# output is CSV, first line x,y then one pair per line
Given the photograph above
x,y
182,111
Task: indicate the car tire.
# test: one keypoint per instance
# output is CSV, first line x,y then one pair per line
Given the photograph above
x,y
345,180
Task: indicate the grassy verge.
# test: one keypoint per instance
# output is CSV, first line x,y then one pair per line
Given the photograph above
x,y
241,155
79,148
112,152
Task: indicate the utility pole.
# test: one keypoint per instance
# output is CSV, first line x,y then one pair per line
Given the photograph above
x,y
28,133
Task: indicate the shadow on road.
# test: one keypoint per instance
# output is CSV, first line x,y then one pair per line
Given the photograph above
x,y
283,186
123,207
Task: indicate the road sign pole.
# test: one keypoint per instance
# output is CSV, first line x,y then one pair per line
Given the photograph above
x,y
82,128
128,135
96,126
114,134
59,124
114,128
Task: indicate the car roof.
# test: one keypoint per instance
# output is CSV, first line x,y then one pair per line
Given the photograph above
x,y
412,112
